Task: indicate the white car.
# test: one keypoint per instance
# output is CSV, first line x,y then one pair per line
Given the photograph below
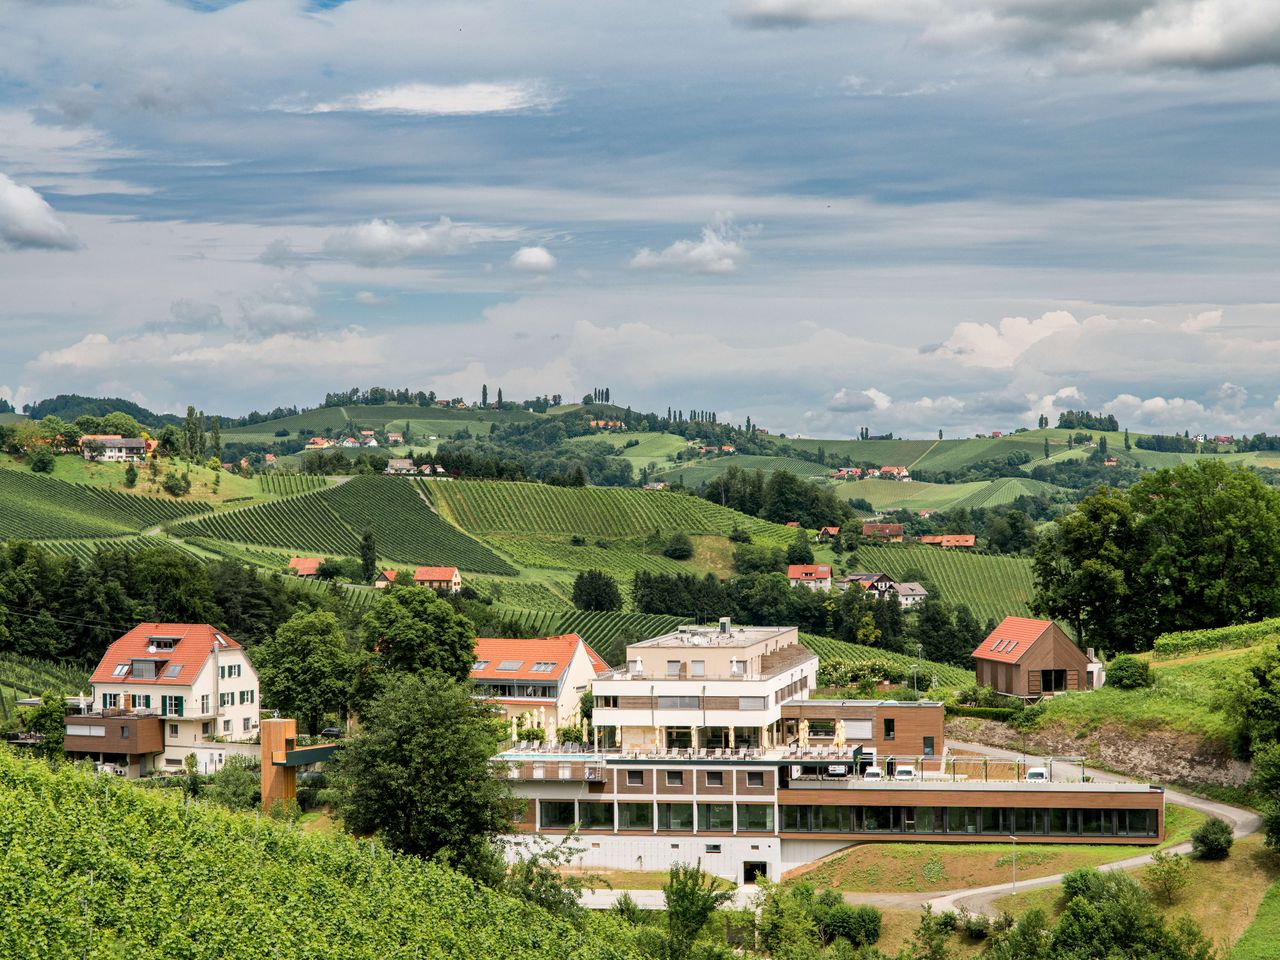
x,y
1037,775
904,773
873,773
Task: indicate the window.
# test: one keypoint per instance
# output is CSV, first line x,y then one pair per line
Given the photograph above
x,y
543,666
715,816
124,732
673,668
606,703
679,703
173,730
110,701
172,762
737,668
635,816
171,706
120,670
715,778
234,670
163,643
246,696
635,666
755,778
888,728
141,700
928,746
204,703
510,665
226,699
675,816
222,673
752,703
173,670
226,726
593,815
557,814
248,724
756,817
206,729
711,847
635,778
698,668
675,778
480,664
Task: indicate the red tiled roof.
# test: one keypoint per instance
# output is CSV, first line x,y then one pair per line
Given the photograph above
x,y
958,540
1011,639
932,539
795,524
808,571
423,574
833,531
195,642
879,529
306,566
558,651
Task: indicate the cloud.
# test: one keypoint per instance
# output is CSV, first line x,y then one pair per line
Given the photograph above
x,y
27,222
1177,413
1085,34
533,260
190,316
282,306
382,242
278,253
985,345
367,298
1049,405
1230,396
436,100
1200,322
719,251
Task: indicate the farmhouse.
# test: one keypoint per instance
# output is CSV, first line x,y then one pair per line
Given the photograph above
x,y
399,465
881,584
706,746
828,533
815,576
538,684
438,578
843,473
350,442
306,567
898,473
608,425
395,438
318,443
910,594
385,579
163,691
1030,659
888,532
950,541
112,447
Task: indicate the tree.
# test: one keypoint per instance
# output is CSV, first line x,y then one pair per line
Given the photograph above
x,y
1127,444
412,630
368,556
236,784
304,668
679,547
484,395
1046,448
418,774
94,448
48,720
1212,840
800,551
499,398
596,590
691,898
215,438
1168,874
42,459
1128,673
190,434
121,423
131,475
1102,446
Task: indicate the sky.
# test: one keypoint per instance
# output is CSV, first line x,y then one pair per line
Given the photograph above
x,y
909,215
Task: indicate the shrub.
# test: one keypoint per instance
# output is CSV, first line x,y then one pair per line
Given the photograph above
x,y
947,920
1221,638
738,535
679,547
985,713
42,460
859,925
1212,840
1128,673
1168,874
1085,882
975,926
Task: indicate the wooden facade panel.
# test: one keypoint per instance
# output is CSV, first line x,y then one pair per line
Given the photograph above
x,y
125,734
1030,798
668,789
746,790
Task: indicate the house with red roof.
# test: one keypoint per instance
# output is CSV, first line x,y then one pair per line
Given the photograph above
x,y
815,576
537,683
306,567
828,533
163,691
436,578
1030,659
886,532
950,541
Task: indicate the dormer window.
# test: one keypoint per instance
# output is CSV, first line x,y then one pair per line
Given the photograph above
x,y
543,666
120,670
163,643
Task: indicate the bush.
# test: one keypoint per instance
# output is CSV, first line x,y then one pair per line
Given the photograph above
x,y
738,535
975,926
176,484
1085,882
1221,638
859,925
1004,714
679,547
42,460
947,921
1212,840
1128,673
1168,874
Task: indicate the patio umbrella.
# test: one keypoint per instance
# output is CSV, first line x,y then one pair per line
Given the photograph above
x,y
804,733
838,738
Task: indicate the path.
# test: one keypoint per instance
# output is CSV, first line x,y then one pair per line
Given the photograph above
x,y
976,899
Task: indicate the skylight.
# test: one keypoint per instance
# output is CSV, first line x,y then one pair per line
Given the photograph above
x,y
173,670
120,670
510,664
480,665
543,666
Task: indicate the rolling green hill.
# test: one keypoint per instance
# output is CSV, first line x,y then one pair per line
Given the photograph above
x,y
991,587
829,649
895,495
694,473
22,677
37,507
374,417
98,867
898,453
607,633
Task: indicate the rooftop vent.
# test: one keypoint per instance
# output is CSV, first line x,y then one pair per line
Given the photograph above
x,y
725,625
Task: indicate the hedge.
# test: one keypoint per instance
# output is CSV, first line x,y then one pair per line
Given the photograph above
x,y
1222,638
985,713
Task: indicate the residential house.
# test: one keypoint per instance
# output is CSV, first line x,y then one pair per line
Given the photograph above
x,y
1030,659
536,683
350,442
880,584
827,534
399,465
847,473
318,443
608,425
728,448
163,691
438,578
270,458
112,447
394,438
385,579
886,532
815,576
793,524
1110,462
306,567
950,541
896,473
910,594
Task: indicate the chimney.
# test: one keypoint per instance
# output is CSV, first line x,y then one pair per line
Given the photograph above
x,y
724,624
1089,653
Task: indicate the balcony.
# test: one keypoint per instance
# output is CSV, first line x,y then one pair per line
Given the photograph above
x,y
114,731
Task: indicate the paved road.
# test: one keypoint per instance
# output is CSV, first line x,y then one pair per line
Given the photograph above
x,y
974,899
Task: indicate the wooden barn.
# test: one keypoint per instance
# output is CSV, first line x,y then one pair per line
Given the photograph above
x,y
1031,658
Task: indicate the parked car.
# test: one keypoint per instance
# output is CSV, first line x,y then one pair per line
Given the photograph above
x,y
873,773
331,732
1037,775
904,773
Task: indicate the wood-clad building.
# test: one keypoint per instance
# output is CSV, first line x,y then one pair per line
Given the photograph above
x,y
1030,659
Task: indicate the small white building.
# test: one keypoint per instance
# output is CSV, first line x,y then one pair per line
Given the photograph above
x,y
112,447
815,576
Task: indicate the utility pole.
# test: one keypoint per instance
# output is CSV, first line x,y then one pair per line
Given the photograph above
x,y
1014,838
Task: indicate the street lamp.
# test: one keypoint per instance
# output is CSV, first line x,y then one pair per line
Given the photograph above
x,y
1014,838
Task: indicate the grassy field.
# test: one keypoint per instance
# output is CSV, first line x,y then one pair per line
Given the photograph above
x,y
895,495
74,469
992,587
632,879
621,559
897,453
1227,898
694,473
828,648
929,867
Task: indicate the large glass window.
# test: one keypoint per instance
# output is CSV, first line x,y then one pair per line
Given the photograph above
x,y
995,820
557,814
635,816
795,818
757,816
962,820
675,816
877,819
715,816
593,815
1062,822
833,819
926,820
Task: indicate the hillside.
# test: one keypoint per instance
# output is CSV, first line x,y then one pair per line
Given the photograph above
x,y
829,649
37,507
22,677
422,421
607,633
96,867
694,473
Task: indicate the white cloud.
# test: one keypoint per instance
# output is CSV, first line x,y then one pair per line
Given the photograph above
x,y
720,250
985,345
1200,322
1230,397
534,260
27,222
367,298
437,100
1166,413
1050,404
283,305
382,242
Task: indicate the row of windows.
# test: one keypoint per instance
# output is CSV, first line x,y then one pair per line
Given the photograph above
x,y
229,671
970,820
710,778
515,690
695,703
595,815
229,699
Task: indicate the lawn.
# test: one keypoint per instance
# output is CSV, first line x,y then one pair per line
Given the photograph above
x,y
1222,898
75,469
929,867
694,473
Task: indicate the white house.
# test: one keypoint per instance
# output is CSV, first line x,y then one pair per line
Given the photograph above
x,y
112,446
815,576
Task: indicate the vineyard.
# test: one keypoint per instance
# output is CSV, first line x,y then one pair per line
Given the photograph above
x,y
1006,490
522,594
96,867
607,633
620,559
305,522
991,587
35,507
87,549
694,473
23,677
289,484
405,528
829,649
484,507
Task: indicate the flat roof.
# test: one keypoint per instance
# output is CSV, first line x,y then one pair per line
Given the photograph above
x,y
823,702
710,636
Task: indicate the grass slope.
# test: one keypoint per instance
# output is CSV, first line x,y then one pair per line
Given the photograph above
x,y
694,473
97,867
37,507
1263,934
606,632
991,587
828,648
895,495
